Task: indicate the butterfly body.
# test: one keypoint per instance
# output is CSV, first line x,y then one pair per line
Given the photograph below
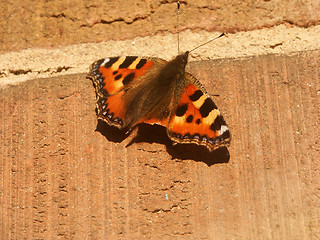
x,y
154,93
133,90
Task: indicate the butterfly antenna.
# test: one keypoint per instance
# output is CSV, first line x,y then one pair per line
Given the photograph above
x,y
221,35
178,37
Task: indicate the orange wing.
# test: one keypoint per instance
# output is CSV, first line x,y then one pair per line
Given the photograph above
x,y
196,119
111,76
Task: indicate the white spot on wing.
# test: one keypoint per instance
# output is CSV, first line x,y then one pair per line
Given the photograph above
x,y
105,61
223,129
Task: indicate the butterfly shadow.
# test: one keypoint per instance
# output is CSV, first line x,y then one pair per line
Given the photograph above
x,y
113,134
157,134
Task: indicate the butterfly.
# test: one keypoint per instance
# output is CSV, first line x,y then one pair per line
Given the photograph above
x,y
132,90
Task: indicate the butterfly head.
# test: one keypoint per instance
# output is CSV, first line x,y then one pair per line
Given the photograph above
x,y
183,58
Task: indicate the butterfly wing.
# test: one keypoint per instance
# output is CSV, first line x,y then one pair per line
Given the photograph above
x,y
111,77
133,90
196,118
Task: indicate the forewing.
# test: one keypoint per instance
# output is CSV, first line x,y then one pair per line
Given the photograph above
x,y
111,77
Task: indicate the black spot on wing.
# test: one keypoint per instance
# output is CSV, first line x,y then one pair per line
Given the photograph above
x,y
196,95
118,77
216,125
207,107
98,63
141,63
189,119
127,62
127,79
181,110
225,135
111,62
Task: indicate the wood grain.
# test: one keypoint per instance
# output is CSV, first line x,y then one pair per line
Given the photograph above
x,y
61,179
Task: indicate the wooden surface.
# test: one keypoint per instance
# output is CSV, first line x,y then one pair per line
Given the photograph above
x,y
61,179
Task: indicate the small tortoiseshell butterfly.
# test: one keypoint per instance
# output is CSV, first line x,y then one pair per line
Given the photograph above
x,y
132,90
